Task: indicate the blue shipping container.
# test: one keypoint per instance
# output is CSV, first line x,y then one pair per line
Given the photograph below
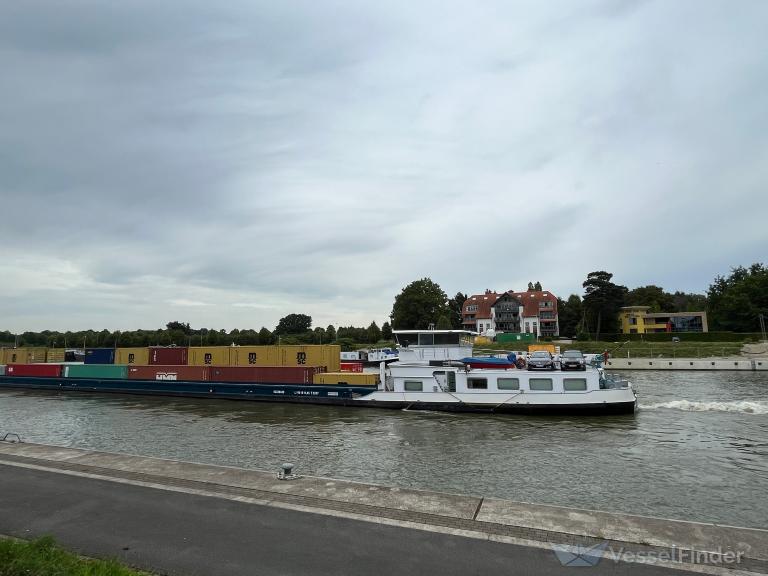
x,y
99,355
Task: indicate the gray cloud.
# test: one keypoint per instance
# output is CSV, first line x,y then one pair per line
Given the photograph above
x,y
232,164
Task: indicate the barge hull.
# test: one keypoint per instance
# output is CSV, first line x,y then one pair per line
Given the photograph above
x,y
286,393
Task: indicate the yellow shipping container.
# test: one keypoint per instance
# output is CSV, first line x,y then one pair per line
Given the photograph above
x,y
55,355
135,356
548,347
210,356
328,355
350,378
24,355
254,356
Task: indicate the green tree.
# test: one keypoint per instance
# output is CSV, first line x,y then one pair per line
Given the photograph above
x,y
736,301
330,333
373,333
443,323
419,304
652,296
684,302
318,336
386,331
265,337
569,314
179,326
456,305
602,301
294,324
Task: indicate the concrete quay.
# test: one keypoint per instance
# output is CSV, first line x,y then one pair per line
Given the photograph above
x,y
738,363
185,518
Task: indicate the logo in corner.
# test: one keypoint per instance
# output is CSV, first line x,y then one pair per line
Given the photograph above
x,y
579,555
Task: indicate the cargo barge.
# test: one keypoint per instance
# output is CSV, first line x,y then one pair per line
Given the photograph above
x,y
297,393
434,372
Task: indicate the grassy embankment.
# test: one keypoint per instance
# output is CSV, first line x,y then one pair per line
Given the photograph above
x,y
642,349
43,557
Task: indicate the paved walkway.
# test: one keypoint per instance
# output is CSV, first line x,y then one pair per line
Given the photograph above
x,y
180,518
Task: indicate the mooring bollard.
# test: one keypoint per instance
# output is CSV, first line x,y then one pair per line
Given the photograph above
x,y
286,472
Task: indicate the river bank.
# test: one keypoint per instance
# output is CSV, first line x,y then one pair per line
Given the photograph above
x,y
117,488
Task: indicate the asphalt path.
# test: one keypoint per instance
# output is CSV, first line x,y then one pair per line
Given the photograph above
x,y
187,534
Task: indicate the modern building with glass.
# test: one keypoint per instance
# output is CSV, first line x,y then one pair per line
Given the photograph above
x,y
639,320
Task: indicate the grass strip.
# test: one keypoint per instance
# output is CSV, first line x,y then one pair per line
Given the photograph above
x,y
43,557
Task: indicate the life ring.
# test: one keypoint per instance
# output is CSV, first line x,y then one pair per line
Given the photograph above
x,y
520,363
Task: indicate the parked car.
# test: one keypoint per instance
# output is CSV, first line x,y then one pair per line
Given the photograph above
x,y
541,360
572,360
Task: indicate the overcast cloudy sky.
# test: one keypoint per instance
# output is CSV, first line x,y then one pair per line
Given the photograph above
x,y
227,163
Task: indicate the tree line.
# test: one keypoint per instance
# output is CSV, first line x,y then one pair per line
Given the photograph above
x,y
733,303
291,329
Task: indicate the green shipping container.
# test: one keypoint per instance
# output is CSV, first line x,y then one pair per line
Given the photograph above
x,y
102,371
511,337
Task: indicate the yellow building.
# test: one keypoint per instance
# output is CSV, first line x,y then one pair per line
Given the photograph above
x,y
638,320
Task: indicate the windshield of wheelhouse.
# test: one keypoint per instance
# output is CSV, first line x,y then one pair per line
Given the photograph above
x,y
429,339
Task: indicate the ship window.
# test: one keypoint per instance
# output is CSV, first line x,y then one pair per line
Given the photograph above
x,y
574,384
540,384
208,358
477,383
131,358
509,383
251,357
413,386
449,338
426,339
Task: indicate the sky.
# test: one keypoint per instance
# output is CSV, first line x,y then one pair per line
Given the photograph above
x,y
228,163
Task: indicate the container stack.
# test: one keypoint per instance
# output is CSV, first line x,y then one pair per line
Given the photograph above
x,y
312,364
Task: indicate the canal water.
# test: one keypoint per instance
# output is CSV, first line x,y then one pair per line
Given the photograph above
x,y
696,450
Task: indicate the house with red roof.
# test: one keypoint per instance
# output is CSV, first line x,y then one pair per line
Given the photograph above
x,y
476,314
532,312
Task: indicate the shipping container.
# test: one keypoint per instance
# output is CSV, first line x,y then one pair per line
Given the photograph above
x,y
265,374
171,356
328,355
35,370
102,371
254,356
172,373
24,355
349,378
56,355
99,355
209,355
136,356
351,367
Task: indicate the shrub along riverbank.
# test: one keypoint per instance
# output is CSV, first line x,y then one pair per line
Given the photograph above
x,y
43,557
